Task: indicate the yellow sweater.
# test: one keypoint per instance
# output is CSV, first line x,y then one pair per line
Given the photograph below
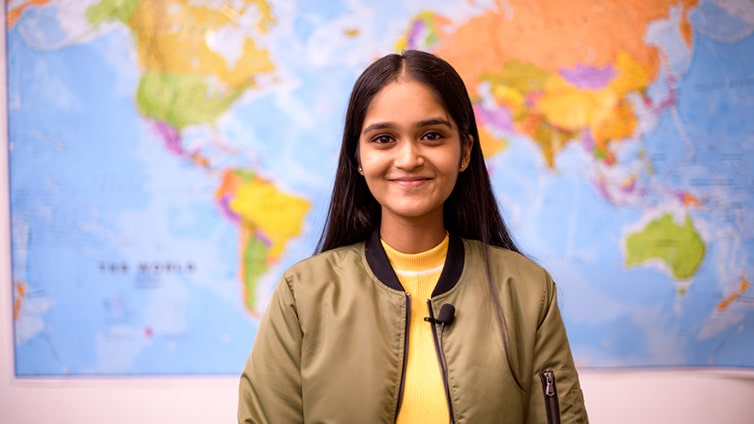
x,y
423,392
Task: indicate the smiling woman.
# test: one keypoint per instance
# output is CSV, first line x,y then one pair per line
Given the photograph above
x,y
410,159
418,306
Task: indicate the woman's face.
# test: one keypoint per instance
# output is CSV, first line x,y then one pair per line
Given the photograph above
x,y
410,152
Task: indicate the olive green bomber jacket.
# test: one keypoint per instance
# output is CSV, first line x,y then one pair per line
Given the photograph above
x,y
331,346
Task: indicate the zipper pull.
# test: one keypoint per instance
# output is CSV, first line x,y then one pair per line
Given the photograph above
x,y
549,383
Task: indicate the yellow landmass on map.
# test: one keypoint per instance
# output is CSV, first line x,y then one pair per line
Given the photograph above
x,y
571,108
513,99
276,215
632,75
267,219
175,37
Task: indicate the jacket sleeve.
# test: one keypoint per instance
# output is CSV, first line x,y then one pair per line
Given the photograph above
x,y
553,353
270,385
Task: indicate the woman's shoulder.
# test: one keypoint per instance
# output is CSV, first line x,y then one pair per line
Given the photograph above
x,y
328,261
502,259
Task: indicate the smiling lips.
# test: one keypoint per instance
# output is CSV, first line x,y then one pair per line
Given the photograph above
x,y
409,181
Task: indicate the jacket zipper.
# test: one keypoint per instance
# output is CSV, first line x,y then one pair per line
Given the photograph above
x,y
552,407
441,358
405,356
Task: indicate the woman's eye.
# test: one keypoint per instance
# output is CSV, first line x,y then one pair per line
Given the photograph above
x,y
432,136
382,139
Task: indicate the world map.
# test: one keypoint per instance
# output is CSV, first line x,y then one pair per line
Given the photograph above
x,y
168,160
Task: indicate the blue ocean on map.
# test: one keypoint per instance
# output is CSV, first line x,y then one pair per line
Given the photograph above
x,y
127,259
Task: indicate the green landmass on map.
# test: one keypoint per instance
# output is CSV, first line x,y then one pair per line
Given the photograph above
x,y
255,255
181,100
680,247
108,10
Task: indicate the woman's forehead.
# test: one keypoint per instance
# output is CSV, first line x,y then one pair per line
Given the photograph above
x,y
405,101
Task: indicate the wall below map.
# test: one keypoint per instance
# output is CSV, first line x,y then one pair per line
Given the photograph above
x,y
611,397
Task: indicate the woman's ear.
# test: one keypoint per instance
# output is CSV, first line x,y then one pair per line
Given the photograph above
x,y
357,159
466,152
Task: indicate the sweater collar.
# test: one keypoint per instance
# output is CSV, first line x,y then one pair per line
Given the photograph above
x,y
380,265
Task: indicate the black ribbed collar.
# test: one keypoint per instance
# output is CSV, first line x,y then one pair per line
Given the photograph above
x,y
451,271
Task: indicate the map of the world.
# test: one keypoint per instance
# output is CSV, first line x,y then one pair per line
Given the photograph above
x,y
169,159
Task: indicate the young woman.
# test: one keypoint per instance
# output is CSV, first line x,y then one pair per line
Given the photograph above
x,y
418,306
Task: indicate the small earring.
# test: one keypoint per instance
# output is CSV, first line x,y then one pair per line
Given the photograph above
x,y
360,170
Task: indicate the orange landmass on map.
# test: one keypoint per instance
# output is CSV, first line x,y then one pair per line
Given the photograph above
x,y
19,298
555,35
520,49
229,184
690,200
743,286
489,143
16,12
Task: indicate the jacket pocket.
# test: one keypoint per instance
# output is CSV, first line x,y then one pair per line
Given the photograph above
x,y
550,392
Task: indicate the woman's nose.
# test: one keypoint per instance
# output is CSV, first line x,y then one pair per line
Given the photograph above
x,y
409,156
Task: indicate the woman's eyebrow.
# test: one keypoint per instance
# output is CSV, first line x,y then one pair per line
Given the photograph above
x,y
379,126
421,124
433,121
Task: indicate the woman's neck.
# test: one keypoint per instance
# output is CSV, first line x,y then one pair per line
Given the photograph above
x,y
412,236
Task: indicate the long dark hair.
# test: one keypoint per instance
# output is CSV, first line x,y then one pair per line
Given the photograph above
x,y
470,212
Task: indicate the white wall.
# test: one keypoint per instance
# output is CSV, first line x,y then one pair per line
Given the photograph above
x,y
612,397
615,398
